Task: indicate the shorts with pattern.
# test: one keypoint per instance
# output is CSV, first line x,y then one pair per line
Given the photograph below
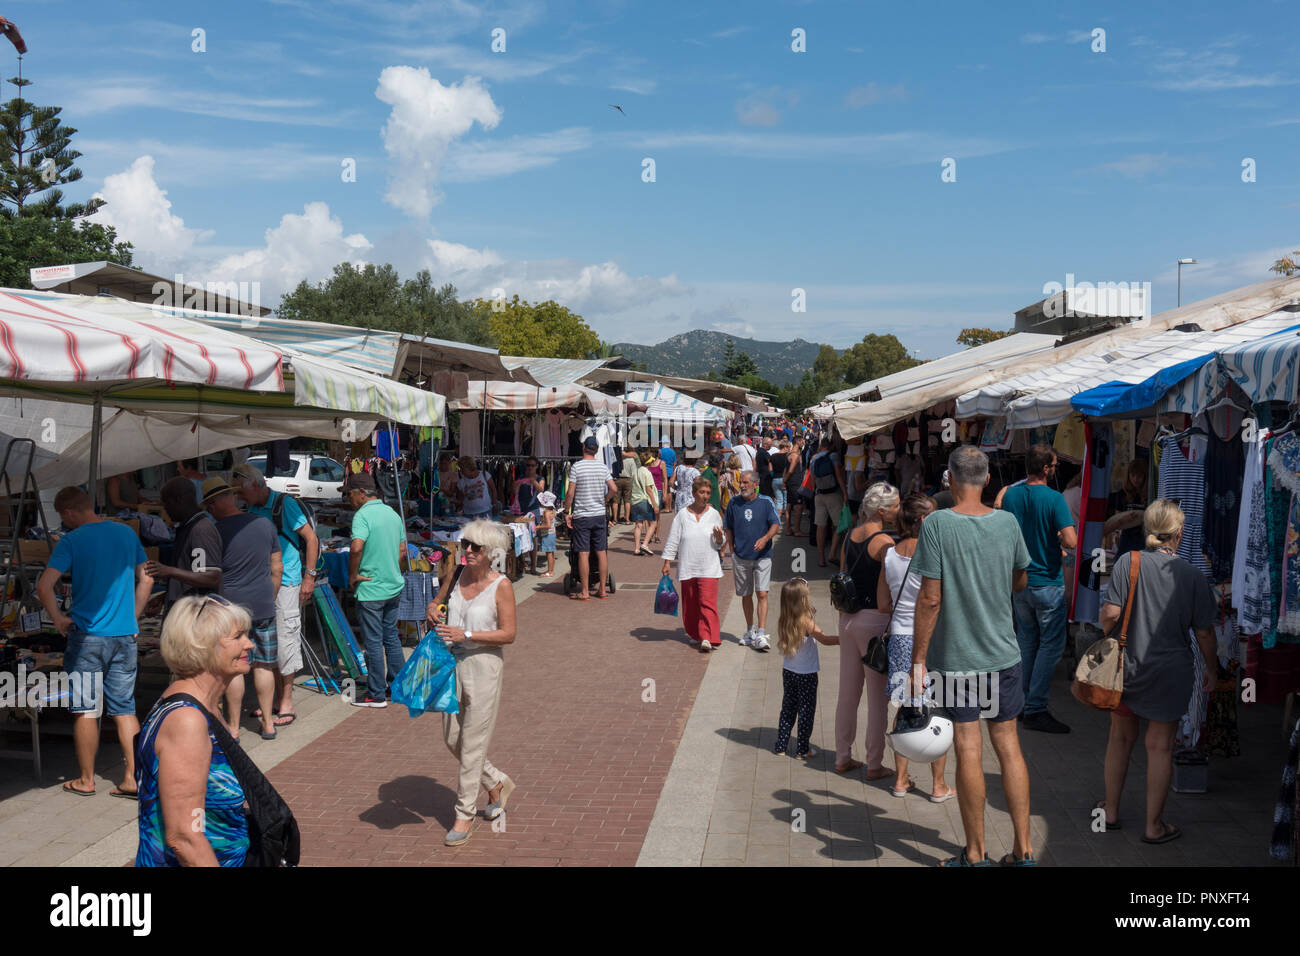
x,y
262,634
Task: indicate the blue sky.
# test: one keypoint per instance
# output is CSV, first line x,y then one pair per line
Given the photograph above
x,y
774,169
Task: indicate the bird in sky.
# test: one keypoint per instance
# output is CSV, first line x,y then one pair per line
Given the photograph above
x,y
617,107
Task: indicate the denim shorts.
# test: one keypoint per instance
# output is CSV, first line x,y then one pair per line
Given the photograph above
x,y
113,660
642,511
778,493
263,635
546,543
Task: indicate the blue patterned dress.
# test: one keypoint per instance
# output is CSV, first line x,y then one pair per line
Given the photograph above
x,y
224,823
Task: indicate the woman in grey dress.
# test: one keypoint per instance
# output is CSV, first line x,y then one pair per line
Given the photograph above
x,y
1172,599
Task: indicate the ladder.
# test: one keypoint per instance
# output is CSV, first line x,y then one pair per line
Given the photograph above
x,y
14,511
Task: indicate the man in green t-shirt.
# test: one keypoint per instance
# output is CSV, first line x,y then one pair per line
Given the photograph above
x,y
375,575
1040,609
971,559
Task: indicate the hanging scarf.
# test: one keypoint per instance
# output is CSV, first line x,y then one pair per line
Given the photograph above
x,y
1250,585
1284,461
1095,492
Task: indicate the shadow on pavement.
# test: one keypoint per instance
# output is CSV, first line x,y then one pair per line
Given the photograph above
x,y
412,799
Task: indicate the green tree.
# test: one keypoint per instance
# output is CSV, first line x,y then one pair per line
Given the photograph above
x,y
973,337
31,241
375,297
545,329
35,159
875,356
737,365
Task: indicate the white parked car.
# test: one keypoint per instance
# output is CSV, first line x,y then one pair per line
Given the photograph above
x,y
314,477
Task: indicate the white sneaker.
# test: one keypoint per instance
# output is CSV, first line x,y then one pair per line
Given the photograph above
x,y
747,637
705,647
759,641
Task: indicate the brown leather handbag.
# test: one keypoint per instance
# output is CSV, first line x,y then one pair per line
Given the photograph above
x,y
1099,678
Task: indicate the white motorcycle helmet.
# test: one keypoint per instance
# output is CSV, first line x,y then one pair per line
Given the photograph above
x,y
920,734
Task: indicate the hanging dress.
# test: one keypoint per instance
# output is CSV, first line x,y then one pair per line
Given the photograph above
x,y
1183,482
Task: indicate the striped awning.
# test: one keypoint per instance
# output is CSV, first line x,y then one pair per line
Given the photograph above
x,y
72,348
665,404
518,397
1167,365
550,371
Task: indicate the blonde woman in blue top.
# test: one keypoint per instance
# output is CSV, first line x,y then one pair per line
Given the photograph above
x,y
182,775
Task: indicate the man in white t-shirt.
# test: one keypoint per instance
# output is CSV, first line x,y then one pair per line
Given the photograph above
x,y
591,487
745,452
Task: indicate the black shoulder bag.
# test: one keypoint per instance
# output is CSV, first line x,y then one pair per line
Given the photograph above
x,y
844,593
273,838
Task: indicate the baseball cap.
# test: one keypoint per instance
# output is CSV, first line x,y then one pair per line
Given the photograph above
x,y
591,444
213,487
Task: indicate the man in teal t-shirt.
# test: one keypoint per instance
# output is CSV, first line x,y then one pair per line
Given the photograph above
x,y
375,574
1040,609
971,559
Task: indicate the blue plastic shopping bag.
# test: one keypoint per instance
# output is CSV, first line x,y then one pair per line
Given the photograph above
x,y
427,681
666,597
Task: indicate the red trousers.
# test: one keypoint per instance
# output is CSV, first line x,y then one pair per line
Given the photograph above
x,y
700,609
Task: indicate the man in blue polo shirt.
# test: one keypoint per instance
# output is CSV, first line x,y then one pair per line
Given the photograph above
x,y
752,523
109,589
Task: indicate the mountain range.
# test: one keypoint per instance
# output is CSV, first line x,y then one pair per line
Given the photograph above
x,y
696,353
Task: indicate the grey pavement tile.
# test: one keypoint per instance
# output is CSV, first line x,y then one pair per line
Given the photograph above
x,y
729,821
733,799
767,856
725,846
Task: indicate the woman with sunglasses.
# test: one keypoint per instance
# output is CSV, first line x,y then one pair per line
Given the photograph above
x,y
480,620
182,773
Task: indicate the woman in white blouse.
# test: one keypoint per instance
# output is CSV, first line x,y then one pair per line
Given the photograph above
x,y
695,541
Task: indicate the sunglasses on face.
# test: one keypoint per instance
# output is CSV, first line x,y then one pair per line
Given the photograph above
x,y
474,547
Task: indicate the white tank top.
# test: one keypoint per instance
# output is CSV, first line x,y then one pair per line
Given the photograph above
x,y
477,614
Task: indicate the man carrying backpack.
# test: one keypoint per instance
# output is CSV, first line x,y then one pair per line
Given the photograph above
x,y
300,550
828,486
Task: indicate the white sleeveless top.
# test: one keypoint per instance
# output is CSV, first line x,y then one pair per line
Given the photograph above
x,y
478,614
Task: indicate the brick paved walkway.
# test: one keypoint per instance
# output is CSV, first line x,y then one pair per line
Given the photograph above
x,y
588,754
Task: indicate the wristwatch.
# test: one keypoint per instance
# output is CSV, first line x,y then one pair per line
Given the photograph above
x,y
469,635
314,573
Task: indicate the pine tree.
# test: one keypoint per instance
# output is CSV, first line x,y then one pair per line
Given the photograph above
x,y
35,159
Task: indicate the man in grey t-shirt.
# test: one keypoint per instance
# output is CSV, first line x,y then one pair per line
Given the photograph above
x,y
251,568
591,487
971,559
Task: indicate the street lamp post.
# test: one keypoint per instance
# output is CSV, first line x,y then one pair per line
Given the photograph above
x,y
1181,263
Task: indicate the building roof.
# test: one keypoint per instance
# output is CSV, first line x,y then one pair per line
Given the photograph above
x,y
136,285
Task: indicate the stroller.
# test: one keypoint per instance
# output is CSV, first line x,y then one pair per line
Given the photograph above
x,y
572,583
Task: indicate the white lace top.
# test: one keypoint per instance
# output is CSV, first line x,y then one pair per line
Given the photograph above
x,y
477,614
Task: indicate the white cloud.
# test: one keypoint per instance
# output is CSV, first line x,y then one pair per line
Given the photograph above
x,y
1034,38
901,148
480,61
1141,165
470,162
874,93
305,246
141,213
764,107
599,289
425,119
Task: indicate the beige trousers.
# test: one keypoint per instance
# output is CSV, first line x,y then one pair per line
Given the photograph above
x,y
468,733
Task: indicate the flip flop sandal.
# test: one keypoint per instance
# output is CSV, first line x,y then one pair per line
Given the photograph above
x,y
1171,833
266,736
1101,805
944,799
69,788
124,794
911,785
257,713
964,860
1012,860
284,720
